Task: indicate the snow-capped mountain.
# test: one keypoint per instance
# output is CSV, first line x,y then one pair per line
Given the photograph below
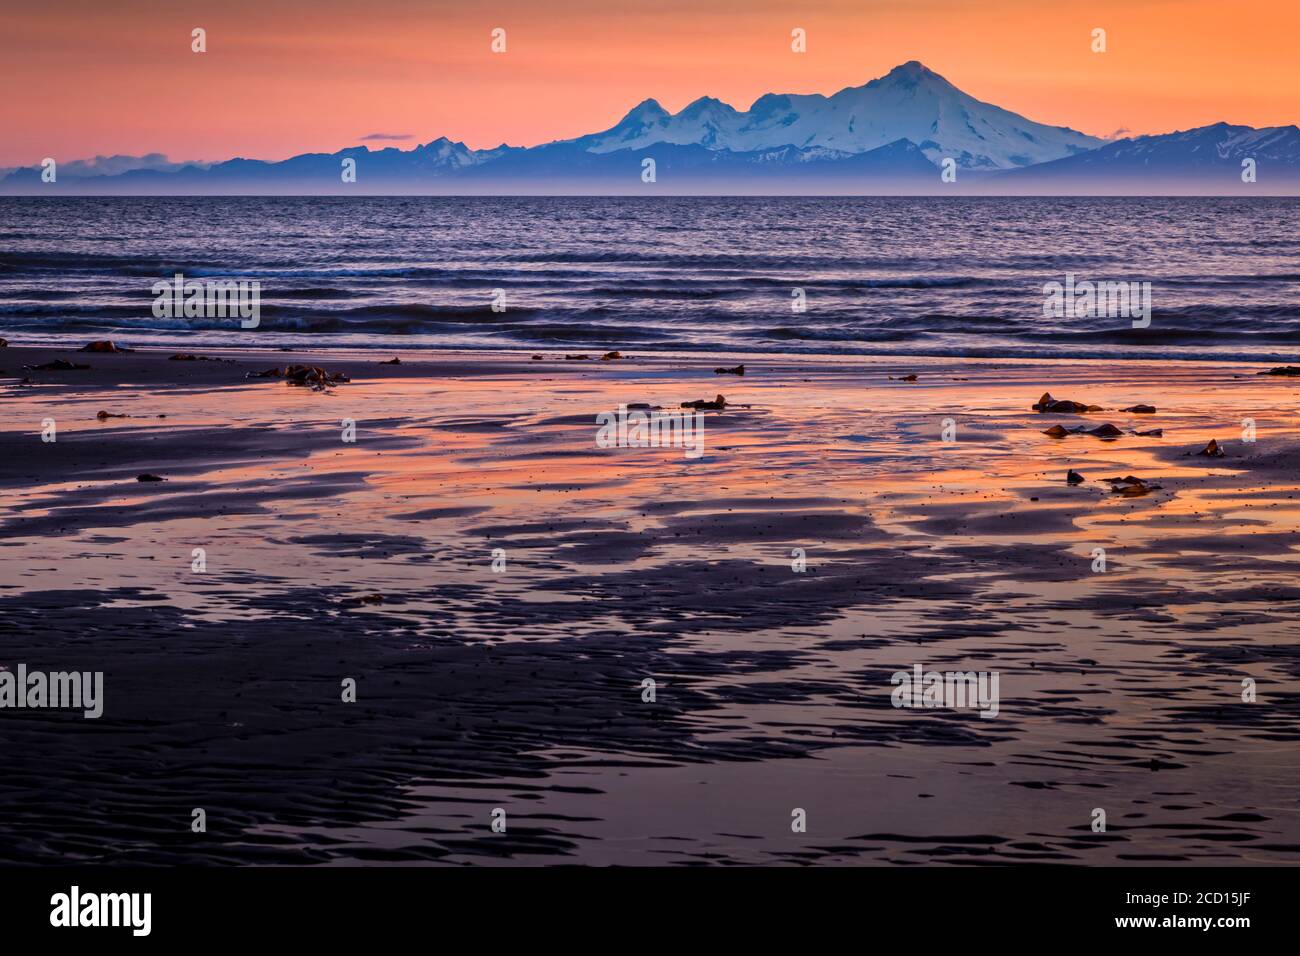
x,y
1216,150
442,153
911,102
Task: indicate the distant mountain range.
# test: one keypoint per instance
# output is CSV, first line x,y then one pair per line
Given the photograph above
x,y
1207,154
892,135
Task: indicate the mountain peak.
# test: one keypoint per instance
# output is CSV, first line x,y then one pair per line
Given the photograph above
x,y
645,110
911,73
705,103
915,67
441,145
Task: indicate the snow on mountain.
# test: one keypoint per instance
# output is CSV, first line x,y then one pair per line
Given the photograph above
x,y
911,102
443,153
1216,150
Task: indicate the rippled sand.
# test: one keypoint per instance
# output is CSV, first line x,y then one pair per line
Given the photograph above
x,y
522,689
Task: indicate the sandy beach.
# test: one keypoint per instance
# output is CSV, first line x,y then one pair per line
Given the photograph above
x,y
842,524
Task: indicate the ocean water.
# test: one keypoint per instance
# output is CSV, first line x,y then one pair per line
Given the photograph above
x,y
926,276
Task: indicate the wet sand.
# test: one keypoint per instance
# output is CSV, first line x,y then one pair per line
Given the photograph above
x,y
521,688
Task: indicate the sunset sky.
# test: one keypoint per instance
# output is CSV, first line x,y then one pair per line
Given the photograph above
x,y
288,76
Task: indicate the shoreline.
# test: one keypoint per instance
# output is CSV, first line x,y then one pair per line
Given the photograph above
x,y
631,354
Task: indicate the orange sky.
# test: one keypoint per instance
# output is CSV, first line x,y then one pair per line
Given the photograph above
x,y
287,76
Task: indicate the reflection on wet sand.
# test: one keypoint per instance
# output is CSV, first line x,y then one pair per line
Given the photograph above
x,y
842,524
